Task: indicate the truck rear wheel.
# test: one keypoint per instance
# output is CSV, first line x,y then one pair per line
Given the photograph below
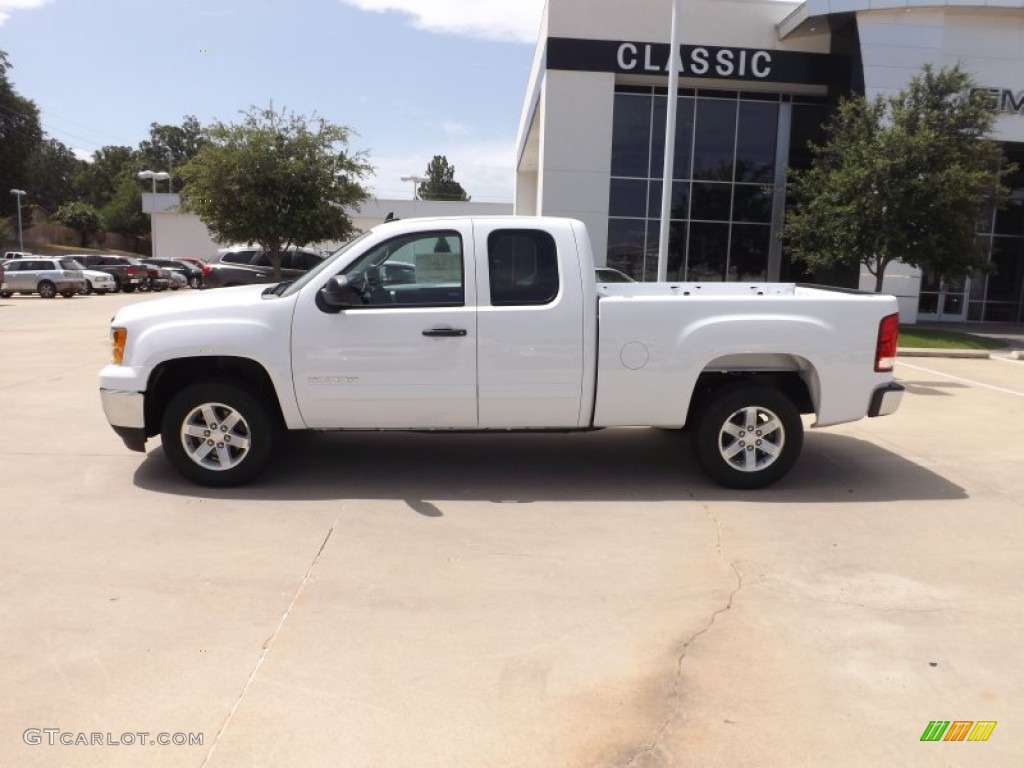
x,y
748,436
217,434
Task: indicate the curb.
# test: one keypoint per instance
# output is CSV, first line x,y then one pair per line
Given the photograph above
x,y
978,354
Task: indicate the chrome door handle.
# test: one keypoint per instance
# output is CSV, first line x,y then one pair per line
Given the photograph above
x,y
444,332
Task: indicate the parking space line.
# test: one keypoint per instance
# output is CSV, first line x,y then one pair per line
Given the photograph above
x,y
970,382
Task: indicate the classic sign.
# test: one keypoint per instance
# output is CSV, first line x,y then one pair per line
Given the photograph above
x,y
699,61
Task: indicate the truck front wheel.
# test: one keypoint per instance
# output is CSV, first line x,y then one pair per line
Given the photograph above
x,y
217,434
748,436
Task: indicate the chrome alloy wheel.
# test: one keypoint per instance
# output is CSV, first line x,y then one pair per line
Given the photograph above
x,y
751,439
215,436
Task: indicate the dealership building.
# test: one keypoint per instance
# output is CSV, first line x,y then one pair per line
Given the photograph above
x,y
758,79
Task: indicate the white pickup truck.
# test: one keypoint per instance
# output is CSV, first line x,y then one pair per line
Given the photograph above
x,y
494,324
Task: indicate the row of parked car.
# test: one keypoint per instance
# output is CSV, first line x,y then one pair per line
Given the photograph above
x,y
110,273
75,274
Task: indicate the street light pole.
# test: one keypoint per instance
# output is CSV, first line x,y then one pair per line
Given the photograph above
x,y
18,194
670,143
416,181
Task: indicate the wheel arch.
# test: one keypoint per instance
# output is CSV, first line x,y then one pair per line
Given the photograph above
x,y
793,375
170,376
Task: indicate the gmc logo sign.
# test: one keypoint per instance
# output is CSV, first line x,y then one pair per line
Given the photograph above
x,y
1003,100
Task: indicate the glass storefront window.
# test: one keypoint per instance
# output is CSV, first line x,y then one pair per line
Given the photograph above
x,y
722,190
709,246
755,142
628,197
748,252
680,200
631,135
684,139
711,201
714,141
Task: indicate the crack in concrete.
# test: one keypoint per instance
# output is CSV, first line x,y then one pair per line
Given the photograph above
x,y
268,644
656,741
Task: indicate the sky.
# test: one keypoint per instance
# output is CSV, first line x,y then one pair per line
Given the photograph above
x,y
411,78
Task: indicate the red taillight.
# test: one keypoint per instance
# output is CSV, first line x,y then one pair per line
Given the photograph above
x,y
888,340
131,271
206,269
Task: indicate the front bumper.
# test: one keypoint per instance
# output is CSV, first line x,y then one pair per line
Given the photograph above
x,y
126,413
886,399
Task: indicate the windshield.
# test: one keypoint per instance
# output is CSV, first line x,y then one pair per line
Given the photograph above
x,y
298,284
70,264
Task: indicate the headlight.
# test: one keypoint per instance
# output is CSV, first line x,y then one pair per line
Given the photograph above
x,y
118,337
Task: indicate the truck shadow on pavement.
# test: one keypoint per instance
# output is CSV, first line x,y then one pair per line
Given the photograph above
x,y
612,465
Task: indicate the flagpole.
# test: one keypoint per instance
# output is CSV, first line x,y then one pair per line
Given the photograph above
x,y
670,141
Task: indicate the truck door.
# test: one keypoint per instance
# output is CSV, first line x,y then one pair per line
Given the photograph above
x,y
530,325
406,359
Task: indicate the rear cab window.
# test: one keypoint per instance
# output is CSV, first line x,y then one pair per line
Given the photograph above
x,y
522,267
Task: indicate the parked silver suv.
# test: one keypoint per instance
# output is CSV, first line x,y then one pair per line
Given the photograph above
x,y
44,276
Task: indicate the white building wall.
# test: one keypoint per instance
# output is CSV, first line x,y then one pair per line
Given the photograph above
x,y
576,150
989,43
176,234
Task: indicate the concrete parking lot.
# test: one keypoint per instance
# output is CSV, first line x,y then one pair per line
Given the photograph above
x,y
436,601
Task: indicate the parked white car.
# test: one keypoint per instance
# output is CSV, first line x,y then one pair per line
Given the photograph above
x,y
496,324
96,281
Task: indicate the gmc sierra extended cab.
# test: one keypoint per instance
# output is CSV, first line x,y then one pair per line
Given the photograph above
x,y
494,324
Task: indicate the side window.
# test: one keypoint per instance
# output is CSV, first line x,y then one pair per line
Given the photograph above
x,y
522,267
238,257
12,266
421,270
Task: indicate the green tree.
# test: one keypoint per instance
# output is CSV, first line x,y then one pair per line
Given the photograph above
x,y
904,177
81,217
97,181
20,136
171,146
441,183
53,168
277,179
123,213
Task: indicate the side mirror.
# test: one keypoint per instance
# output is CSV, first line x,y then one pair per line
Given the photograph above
x,y
340,293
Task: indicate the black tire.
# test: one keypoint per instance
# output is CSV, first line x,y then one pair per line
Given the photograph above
x,y
101,292
127,288
193,282
88,287
117,284
724,448
46,289
68,294
257,425
6,294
